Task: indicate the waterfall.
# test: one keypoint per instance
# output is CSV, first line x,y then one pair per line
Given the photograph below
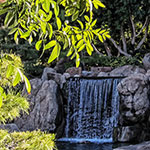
x,y
92,109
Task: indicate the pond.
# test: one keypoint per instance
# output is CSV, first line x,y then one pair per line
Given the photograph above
x,y
87,146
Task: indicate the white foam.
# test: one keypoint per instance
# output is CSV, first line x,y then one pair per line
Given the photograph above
x,y
82,140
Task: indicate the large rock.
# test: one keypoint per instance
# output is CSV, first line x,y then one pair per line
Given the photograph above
x,y
10,127
124,71
134,101
130,133
146,61
142,146
51,74
46,110
74,71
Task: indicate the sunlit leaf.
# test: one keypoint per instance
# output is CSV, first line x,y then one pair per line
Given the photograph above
x,y
58,23
10,69
38,45
50,44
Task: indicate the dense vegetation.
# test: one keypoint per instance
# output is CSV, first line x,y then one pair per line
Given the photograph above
x,y
35,140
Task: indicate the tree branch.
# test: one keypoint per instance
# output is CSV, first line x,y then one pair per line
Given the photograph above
x,y
143,39
146,21
107,49
97,51
134,32
119,48
123,40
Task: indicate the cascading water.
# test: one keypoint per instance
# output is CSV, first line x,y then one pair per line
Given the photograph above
x,y
92,110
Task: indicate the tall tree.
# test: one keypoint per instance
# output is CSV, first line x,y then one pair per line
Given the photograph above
x,y
40,19
129,24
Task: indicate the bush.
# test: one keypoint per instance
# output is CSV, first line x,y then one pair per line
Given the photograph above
x,y
35,140
105,61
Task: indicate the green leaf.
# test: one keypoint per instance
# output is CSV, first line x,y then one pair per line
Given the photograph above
x,y
10,69
56,10
43,27
100,3
100,38
8,18
81,24
66,43
50,30
93,23
30,39
12,31
58,23
1,100
55,53
75,15
73,55
87,18
81,48
50,44
80,43
26,34
42,13
16,37
48,18
90,46
16,79
38,45
70,52
27,84
3,11
46,5
88,50
77,60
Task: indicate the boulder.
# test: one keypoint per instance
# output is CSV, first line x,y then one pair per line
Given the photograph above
x,y
141,146
97,70
45,72
74,71
134,101
130,133
146,61
46,110
124,71
10,127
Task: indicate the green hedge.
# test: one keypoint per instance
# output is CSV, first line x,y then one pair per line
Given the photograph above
x,y
35,140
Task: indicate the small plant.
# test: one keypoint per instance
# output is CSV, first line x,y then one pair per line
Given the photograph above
x,y
35,140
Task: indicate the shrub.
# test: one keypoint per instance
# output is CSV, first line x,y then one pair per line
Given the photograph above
x,y
35,140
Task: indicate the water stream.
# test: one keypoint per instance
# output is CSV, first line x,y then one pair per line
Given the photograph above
x,y
92,110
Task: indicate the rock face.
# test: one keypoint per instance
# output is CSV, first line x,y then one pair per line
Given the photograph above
x,y
134,101
46,107
134,109
142,146
146,61
10,127
123,71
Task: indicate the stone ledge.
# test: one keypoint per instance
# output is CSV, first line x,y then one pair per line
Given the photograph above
x,y
141,146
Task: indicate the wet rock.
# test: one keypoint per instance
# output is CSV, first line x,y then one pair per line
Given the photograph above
x,y
146,61
74,71
141,146
127,71
10,127
46,110
45,72
130,133
134,101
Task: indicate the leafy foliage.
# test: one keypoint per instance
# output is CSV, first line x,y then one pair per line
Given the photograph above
x,y
35,140
33,63
113,61
11,74
41,19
